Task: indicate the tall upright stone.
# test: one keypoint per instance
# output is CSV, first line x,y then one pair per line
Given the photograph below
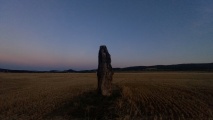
x,y
104,72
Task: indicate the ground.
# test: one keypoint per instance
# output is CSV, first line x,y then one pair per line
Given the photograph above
x,y
149,95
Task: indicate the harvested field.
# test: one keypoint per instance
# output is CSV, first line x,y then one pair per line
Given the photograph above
x,y
163,95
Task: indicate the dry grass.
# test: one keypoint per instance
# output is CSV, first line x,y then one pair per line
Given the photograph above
x,y
136,96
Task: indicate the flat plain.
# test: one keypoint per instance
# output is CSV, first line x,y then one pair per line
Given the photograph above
x,y
149,95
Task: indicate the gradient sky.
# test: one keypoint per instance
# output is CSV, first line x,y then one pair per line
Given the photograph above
x,y
66,34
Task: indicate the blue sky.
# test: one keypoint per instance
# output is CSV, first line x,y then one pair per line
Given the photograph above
x,y
66,34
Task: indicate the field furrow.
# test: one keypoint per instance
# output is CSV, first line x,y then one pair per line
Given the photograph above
x,y
145,96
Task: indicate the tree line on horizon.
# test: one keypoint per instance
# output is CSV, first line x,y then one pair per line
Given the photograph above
x,y
178,67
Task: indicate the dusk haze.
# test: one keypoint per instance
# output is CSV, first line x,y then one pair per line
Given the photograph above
x,y
67,34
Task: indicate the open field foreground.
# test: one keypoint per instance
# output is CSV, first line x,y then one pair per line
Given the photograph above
x,y
136,96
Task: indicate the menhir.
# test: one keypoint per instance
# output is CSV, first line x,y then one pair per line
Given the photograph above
x,y
104,72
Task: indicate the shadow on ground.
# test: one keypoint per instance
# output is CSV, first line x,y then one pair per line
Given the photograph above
x,y
88,105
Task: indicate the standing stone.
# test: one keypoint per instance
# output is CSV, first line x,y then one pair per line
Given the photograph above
x,y
104,72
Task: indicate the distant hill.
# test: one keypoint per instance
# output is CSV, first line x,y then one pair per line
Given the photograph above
x,y
19,71
69,71
177,67
32,71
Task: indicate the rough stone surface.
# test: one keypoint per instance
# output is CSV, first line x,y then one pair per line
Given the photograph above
x,y
104,72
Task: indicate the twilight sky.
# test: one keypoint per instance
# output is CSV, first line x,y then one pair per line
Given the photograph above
x,y
66,34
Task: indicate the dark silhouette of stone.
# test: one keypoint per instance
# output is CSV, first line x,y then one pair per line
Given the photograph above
x,y
104,72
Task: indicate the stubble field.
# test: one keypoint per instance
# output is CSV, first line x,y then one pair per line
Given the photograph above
x,y
157,95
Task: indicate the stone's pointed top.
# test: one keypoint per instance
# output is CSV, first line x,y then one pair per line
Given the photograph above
x,y
104,48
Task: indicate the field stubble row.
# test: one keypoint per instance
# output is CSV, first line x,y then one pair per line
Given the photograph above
x,y
136,96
